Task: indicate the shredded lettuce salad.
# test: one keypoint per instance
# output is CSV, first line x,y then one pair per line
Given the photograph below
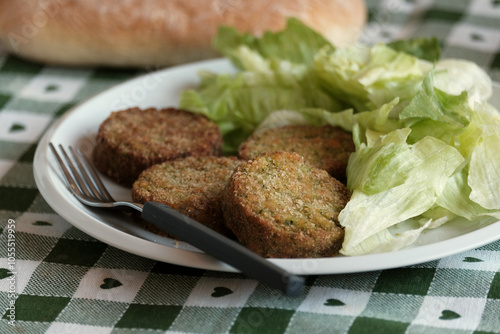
x,y
426,138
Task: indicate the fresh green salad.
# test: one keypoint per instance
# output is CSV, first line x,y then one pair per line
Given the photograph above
x,y
426,138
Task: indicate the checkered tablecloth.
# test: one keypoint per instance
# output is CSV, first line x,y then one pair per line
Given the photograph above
x,y
56,279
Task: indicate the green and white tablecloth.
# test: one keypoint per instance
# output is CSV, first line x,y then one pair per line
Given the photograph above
x,y
56,279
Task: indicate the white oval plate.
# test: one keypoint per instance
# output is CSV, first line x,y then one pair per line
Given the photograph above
x,y
79,126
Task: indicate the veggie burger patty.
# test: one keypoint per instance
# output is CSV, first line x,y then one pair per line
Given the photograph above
x,y
192,186
278,205
326,147
131,140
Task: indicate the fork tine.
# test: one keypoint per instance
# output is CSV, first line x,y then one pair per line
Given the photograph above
x,y
76,175
70,180
89,184
91,177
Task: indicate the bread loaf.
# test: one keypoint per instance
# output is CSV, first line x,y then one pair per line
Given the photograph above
x,y
147,33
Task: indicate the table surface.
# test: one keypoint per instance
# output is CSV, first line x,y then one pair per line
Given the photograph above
x,y
67,282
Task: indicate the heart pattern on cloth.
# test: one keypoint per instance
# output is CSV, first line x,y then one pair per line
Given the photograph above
x,y
221,291
476,37
334,302
42,223
17,127
110,283
449,315
51,88
4,273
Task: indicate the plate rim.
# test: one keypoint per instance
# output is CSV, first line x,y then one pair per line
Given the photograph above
x,y
44,179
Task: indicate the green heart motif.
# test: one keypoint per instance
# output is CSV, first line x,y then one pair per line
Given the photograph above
x,y
110,283
41,223
334,302
51,88
4,273
476,37
449,315
221,291
16,127
472,259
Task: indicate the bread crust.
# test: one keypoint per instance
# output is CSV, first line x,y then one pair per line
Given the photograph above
x,y
142,33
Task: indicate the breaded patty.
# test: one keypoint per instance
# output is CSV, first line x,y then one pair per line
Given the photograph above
x,y
278,205
131,140
325,147
191,185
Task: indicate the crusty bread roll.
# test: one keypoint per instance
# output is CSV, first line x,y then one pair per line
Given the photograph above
x,y
146,33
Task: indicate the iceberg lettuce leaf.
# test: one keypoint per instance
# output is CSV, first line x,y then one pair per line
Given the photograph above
x,y
297,43
368,77
422,47
433,112
484,166
456,198
431,163
434,104
455,76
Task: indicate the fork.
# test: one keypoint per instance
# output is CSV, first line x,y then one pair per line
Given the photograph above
x,y
85,184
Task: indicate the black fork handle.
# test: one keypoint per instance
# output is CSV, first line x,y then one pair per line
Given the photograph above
x,y
222,248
